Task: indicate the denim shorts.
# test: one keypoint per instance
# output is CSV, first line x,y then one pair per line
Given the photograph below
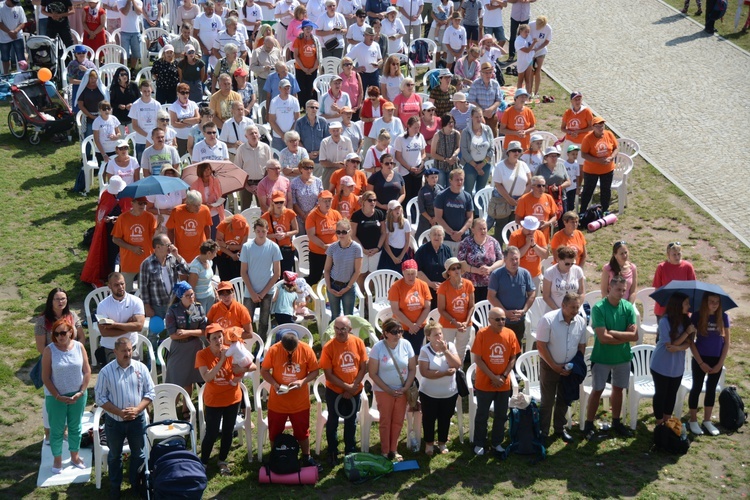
x,y
131,42
498,32
8,50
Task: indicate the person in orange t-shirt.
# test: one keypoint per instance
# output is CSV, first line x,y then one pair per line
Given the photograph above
x,y
133,233
346,201
321,231
494,351
292,364
518,121
282,224
221,394
576,121
190,225
344,362
231,234
228,312
456,305
411,301
540,205
570,236
351,169
533,247
599,150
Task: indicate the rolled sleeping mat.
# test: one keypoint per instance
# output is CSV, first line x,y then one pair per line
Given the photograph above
x,y
306,475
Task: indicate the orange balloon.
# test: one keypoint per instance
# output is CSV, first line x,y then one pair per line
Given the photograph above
x,y
44,74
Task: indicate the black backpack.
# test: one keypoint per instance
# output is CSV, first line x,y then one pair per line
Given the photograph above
x,y
420,53
593,213
666,439
284,455
525,432
732,414
720,8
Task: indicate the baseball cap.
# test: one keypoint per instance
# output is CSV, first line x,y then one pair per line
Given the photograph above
x,y
284,83
325,194
346,181
573,147
334,125
352,156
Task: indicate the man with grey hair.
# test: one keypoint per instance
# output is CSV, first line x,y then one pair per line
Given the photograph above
x,y
333,152
189,225
252,157
283,113
233,130
282,73
512,290
262,62
224,39
431,257
312,129
124,390
560,336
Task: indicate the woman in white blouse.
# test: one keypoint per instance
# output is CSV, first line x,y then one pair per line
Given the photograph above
x,y
563,277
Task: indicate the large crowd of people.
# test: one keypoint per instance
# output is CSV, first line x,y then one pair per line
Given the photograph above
x,y
339,164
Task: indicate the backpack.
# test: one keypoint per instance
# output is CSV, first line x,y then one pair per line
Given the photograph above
x,y
593,213
525,432
284,457
361,467
720,8
420,53
732,414
665,439
158,43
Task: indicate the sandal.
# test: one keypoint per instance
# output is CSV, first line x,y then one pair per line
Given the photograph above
x,y
442,449
429,450
224,469
398,458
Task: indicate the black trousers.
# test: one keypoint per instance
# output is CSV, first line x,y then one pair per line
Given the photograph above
x,y
698,377
61,29
317,264
438,410
225,418
306,91
350,424
589,186
665,393
228,268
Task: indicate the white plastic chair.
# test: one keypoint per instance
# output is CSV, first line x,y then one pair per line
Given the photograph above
x,y
423,238
145,349
368,413
321,84
243,422
321,415
426,80
470,375
535,313
69,53
102,450
262,422
90,165
165,408
623,167
76,37
144,74
95,296
412,213
302,260
508,229
330,66
648,322
377,284
628,147
549,139
116,37
239,294
480,318
482,200
528,369
380,317
641,381
251,215
687,384
107,73
250,344
323,315
303,333
585,390
265,130
497,146
148,36
432,48
111,54
161,354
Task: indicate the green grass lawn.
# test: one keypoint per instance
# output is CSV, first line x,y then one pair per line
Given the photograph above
x,y
40,243
725,26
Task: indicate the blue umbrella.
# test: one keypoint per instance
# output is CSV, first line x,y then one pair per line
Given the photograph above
x,y
155,184
694,289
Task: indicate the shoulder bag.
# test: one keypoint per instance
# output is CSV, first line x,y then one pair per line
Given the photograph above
x,y
412,393
498,208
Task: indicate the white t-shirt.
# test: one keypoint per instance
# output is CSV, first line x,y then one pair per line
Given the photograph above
x,y
106,128
533,160
356,32
315,8
389,29
223,38
455,38
544,34
284,111
411,149
506,176
410,6
365,56
235,132
327,23
250,14
127,173
121,312
438,8
145,113
209,28
11,17
524,58
439,388
395,128
397,237
386,369
130,22
287,9
327,101
490,56
574,170
563,283
182,113
373,154
349,7
392,85
112,15
202,151
492,18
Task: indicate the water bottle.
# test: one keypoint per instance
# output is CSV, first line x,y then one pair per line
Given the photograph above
x,y
568,366
683,433
413,446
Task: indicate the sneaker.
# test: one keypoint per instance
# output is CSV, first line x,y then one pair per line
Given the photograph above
x,y
695,428
429,450
478,451
622,430
698,12
710,428
589,433
499,448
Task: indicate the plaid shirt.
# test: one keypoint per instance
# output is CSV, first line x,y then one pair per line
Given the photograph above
x,y
152,287
485,96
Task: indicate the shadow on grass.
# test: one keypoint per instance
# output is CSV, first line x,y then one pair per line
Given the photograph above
x,y
20,471
22,374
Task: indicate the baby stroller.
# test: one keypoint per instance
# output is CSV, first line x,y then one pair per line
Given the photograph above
x,y
44,53
38,108
171,471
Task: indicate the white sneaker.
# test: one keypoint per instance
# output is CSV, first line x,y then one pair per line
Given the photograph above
x,y
499,449
696,429
479,451
710,428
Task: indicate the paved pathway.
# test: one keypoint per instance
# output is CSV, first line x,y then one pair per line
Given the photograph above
x,y
656,77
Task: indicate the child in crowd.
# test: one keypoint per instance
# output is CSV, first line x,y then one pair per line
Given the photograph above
x,y
575,175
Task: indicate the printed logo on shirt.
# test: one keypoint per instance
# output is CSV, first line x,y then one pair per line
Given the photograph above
x,y
326,227
347,362
575,123
602,149
345,209
136,233
291,370
539,209
413,302
497,354
190,227
519,123
459,303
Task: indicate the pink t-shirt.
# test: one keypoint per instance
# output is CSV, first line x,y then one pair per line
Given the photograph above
x,y
667,272
628,277
351,86
266,187
407,107
429,132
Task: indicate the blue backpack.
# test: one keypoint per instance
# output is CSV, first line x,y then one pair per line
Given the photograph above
x,y
525,433
420,53
720,8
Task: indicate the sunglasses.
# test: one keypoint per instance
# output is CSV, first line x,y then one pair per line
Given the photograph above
x,y
191,52
515,151
306,168
389,163
210,133
122,148
371,200
225,292
429,110
106,108
567,264
540,185
454,268
185,93
341,233
347,64
163,119
60,333
409,84
396,332
673,244
498,320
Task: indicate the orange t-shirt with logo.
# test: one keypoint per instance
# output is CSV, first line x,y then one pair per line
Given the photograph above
x,y
456,301
224,390
577,241
531,261
542,208
346,205
411,298
188,230
344,358
600,147
359,177
325,227
307,52
513,119
134,230
496,350
236,232
234,315
577,121
285,372
281,224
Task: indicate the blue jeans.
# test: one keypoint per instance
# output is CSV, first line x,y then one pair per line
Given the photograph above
x,y
347,300
473,182
116,433
12,50
139,149
499,33
265,313
484,400
131,42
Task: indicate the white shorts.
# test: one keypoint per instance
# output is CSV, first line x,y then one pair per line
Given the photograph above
x,y
370,264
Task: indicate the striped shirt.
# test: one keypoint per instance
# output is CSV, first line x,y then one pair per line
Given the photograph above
x,y
343,260
123,387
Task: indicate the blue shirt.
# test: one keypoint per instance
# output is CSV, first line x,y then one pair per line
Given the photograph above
x,y
272,85
311,135
454,207
259,260
123,387
432,263
512,291
376,6
663,362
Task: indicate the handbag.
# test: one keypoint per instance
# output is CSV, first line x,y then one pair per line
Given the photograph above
x,y
36,374
412,393
498,208
461,385
332,44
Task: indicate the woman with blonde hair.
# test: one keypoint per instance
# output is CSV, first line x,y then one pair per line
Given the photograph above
x,y
391,78
525,46
371,164
541,31
397,238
